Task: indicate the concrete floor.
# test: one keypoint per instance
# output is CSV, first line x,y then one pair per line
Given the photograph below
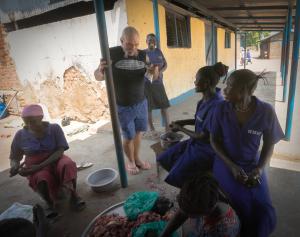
x,y
99,149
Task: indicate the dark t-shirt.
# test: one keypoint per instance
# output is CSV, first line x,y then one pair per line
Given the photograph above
x,y
128,76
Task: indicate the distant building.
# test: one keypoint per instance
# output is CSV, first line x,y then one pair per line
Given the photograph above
x,y
270,47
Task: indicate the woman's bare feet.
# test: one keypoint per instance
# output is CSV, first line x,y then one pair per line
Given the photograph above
x,y
132,168
143,165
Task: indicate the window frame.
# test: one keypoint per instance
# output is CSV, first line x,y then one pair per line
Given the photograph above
x,y
186,38
227,40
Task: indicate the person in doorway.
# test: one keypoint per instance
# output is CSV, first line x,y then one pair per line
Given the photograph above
x,y
46,167
129,66
195,154
201,200
154,88
237,127
242,56
249,57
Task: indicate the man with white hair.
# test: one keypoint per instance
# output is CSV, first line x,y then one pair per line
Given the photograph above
x,y
129,66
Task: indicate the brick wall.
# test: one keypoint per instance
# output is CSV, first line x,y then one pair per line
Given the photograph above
x,y
8,75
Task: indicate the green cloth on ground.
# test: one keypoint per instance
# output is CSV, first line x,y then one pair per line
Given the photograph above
x,y
157,226
139,202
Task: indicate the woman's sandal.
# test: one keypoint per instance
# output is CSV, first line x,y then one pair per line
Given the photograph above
x,y
84,165
51,213
77,204
40,221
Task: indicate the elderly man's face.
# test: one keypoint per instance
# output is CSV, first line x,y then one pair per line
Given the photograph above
x,y
130,44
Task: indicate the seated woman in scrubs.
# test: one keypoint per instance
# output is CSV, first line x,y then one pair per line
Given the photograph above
x,y
201,200
237,127
45,166
190,156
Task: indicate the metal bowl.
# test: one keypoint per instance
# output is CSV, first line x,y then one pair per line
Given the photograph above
x,y
169,139
102,180
115,209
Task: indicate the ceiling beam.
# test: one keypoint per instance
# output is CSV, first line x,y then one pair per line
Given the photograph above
x,y
278,7
205,12
261,30
260,23
255,17
263,26
242,4
259,27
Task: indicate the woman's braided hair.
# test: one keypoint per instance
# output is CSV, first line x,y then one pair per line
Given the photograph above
x,y
249,78
213,73
199,193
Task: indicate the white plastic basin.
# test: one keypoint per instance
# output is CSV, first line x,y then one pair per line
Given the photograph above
x,y
102,179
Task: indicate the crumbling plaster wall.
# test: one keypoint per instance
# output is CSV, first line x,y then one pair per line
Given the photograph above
x,y
54,64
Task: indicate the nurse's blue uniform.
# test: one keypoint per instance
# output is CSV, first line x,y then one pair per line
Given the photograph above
x,y
191,156
253,205
155,91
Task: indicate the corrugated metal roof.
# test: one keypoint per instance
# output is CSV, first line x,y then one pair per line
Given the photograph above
x,y
270,36
13,10
244,15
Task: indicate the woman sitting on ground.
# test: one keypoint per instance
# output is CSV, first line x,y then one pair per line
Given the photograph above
x,y
195,154
45,165
200,199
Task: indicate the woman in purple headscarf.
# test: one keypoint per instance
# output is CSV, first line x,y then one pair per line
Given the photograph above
x,y
45,165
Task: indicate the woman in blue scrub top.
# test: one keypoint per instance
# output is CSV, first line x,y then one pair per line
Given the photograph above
x,y
237,127
195,154
154,90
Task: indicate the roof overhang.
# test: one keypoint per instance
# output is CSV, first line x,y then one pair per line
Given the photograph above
x,y
17,10
242,15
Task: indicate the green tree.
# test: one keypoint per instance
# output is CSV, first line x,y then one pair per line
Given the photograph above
x,y
253,37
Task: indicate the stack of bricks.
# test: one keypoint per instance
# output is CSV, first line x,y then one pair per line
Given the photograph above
x,y
8,76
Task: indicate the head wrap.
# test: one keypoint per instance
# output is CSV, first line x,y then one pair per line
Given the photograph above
x,y
32,110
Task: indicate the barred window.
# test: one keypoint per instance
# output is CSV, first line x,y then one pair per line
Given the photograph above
x,y
178,30
227,39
